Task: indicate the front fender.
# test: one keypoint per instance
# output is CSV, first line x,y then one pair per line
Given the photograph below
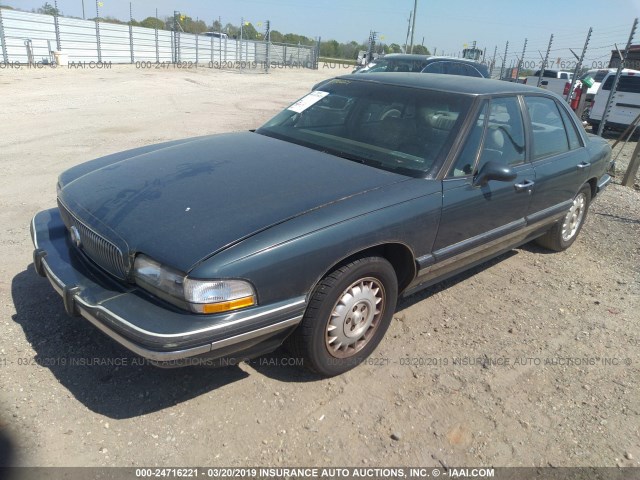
x,y
288,260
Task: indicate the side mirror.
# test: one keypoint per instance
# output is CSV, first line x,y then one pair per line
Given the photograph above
x,y
494,171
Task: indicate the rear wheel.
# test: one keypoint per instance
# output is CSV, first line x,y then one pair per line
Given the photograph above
x,y
565,232
348,314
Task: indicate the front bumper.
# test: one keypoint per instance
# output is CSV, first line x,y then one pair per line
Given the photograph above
x,y
147,326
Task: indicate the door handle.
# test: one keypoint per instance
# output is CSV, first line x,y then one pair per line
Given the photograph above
x,y
525,186
583,165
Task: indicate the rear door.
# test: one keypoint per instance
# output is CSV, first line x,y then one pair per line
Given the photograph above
x,y
558,155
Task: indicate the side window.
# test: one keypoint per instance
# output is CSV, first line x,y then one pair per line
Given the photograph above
x,y
467,158
504,138
549,135
455,68
572,134
472,71
435,67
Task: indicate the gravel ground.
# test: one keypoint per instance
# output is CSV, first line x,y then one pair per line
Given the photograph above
x,y
532,359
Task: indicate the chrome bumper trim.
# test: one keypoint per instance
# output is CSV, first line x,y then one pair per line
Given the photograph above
x,y
87,310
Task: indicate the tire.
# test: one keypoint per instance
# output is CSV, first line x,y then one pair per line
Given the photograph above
x,y
348,314
565,232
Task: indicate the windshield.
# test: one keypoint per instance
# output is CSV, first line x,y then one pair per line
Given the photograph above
x,y
400,129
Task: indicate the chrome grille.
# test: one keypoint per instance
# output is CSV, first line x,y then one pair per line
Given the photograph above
x,y
104,253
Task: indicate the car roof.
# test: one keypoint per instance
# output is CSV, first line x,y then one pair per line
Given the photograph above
x,y
455,59
412,56
625,71
404,56
448,83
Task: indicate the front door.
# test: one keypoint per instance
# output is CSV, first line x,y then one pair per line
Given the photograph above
x,y
477,221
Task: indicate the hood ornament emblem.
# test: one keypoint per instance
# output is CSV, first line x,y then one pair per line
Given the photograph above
x,y
75,236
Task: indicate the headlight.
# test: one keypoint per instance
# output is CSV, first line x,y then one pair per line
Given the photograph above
x,y
200,296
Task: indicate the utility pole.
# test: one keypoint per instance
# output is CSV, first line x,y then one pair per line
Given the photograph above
x,y
413,24
83,17
406,40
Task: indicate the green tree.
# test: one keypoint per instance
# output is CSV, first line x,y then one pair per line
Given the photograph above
x,y
330,49
249,32
232,30
153,22
276,36
48,9
117,21
295,39
420,50
395,48
216,26
189,25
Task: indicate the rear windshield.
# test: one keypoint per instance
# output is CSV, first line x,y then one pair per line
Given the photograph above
x,y
600,75
547,74
628,83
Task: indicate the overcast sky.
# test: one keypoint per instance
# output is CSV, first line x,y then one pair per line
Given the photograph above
x,y
444,25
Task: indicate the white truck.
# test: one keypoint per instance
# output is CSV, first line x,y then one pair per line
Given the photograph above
x,y
556,81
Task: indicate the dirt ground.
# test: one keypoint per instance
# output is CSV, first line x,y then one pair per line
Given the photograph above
x,y
530,360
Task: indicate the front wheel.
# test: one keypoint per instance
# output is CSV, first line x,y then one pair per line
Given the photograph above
x,y
565,232
348,314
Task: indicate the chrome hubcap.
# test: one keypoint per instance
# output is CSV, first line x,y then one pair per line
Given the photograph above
x,y
573,218
355,317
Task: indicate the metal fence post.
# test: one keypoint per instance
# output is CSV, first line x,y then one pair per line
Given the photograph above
x,y
56,25
5,55
544,62
98,31
578,65
157,45
176,36
493,61
268,40
504,60
607,108
524,49
241,28
131,32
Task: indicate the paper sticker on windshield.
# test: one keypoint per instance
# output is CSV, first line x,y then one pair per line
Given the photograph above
x,y
308,100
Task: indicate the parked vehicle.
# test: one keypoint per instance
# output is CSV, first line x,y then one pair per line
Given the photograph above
x,y
405,63
215,35
626,102
398,62
597,76
456,66
556,81
596,79
311,226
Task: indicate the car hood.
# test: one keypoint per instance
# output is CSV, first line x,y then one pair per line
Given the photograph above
x,y
184,202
